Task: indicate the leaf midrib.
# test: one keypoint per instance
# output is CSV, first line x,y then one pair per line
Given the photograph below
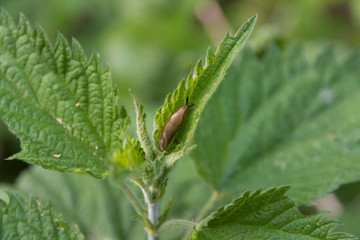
x,y
278,144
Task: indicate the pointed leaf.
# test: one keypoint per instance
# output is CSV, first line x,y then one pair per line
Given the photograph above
x,y
63,108
142,133
199,86
266,215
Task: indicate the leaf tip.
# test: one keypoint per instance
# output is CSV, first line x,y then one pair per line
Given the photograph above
x,y
77,50
61,40
209,56
3,13
135,100
24,24
247,27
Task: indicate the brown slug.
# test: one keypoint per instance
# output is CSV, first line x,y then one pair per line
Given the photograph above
x,y
172,125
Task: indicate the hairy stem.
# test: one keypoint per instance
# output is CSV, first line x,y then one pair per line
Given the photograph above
x,y
133,200
208,206
152,208
204,211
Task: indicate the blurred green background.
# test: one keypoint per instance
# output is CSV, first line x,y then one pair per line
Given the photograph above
x,y
151,45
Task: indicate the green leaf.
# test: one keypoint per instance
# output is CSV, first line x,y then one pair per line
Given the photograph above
x,y
63,107
283,121
129,155
28,219
98,207
142,133
266,215
199,87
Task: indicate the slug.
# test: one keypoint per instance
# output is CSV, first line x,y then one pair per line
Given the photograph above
x,y
172,125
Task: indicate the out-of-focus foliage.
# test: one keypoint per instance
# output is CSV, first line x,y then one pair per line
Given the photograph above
x,y
165,38
350,218
311,22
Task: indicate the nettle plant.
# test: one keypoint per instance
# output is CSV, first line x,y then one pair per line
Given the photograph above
x,y
277,122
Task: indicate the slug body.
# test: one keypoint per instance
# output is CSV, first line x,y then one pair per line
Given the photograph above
x,y
172,125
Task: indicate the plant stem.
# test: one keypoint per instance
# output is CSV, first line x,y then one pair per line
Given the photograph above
x,y
208,206
133,200
153,213
152,200
176,223
204,211
150,221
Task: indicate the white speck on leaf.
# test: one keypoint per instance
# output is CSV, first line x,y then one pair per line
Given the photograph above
x,y
57,155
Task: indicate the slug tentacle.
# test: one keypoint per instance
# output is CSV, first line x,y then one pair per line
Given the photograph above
x,y
172,125
187,102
